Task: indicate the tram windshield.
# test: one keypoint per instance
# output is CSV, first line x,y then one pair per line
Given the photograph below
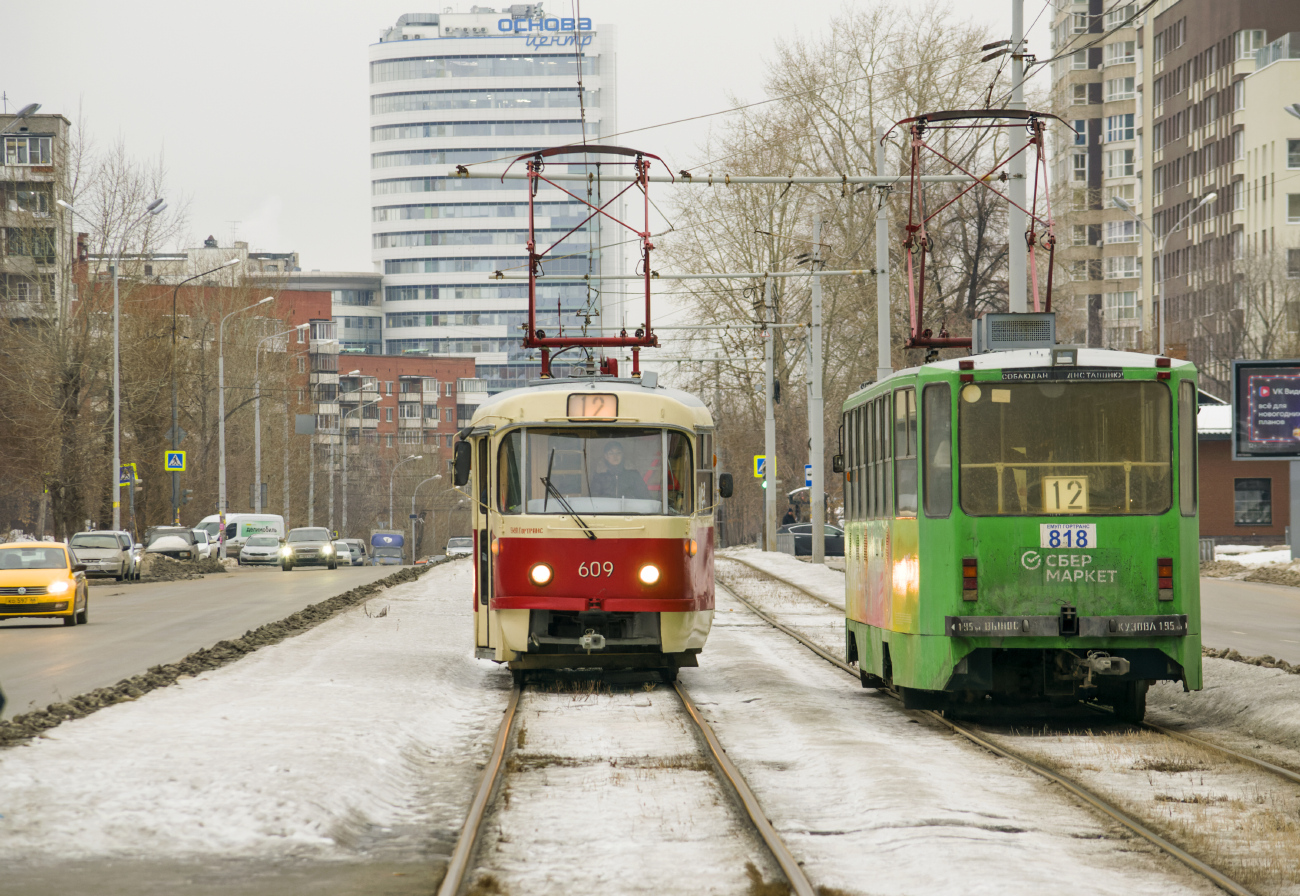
x,y
595,470
1057,448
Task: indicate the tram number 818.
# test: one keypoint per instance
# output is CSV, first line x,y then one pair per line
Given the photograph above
x,y
595,569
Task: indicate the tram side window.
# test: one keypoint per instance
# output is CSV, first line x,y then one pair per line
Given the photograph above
x,y
905,451
937,437
867,492
884,463
678,474
859,485
510,497
850,463
705,472
1187,484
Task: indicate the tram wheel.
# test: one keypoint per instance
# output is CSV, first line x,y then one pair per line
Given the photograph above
x,y
518,677
668,674
1130,703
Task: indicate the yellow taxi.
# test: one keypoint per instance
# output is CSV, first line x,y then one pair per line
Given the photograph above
x,y
41,579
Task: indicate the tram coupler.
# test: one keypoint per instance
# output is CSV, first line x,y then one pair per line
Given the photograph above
x,y
591,640
1097,662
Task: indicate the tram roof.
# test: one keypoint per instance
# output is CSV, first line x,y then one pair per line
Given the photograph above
x,y
695,408
1041,357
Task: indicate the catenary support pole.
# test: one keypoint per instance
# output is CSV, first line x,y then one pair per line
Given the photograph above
x,y
769,422
311,483
816,436
1016,256
331,477
117,404
285,479
884,353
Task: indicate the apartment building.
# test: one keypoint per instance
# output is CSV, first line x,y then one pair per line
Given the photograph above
x,y
33,243
1171,177
1095,88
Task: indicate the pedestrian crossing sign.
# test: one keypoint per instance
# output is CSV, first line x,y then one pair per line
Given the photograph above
x,y
175,461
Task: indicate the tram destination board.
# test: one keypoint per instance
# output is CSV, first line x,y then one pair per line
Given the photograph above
x,y
1038,374
1266,410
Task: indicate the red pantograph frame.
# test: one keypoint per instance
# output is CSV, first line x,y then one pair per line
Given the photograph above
x,y
916,239
644,336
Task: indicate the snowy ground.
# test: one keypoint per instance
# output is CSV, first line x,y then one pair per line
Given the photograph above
x,y
355,742
873,801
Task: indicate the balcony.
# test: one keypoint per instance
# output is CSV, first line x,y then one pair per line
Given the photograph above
x,y
409,423
429,397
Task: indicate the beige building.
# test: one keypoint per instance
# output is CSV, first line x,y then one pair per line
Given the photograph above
x,y
33,245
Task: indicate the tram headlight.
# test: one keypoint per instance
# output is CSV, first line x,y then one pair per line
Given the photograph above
x,y
541,574
649,574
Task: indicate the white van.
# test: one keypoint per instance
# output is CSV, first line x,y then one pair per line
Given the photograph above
x,y
241,525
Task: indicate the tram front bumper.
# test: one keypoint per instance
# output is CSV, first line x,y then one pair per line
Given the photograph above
x,y
1169,626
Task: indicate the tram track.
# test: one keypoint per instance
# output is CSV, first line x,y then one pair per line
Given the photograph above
x,y
1076,788
461,864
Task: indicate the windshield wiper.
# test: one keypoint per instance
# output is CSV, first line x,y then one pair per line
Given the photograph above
x,y
564,502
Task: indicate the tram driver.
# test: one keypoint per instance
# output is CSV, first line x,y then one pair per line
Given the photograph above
x,y
617,480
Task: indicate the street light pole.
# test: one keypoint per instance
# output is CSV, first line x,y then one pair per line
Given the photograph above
x,y
343,428
1124,206
432,478
257,414
391,474
154,208
176,424
221,422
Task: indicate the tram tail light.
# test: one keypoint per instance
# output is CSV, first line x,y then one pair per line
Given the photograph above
x,y
969,579
1165,577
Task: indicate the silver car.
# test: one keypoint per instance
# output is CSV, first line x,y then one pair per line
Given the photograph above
x,y
102,553
260,550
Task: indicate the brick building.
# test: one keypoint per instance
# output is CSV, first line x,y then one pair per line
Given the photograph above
x,y
1241,501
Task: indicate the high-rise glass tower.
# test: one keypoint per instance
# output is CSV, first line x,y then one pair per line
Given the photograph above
x,y
484,86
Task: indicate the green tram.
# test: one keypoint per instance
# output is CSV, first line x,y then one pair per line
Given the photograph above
x,y
1021,526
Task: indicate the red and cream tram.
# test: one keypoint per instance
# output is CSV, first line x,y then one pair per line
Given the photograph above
x,y
593,524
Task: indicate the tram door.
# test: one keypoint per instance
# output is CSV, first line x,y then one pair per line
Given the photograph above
x,y
483,543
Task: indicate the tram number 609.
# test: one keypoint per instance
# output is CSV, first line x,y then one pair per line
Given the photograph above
x,y
595,569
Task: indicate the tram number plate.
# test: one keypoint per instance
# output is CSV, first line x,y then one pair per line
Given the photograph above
x,y
1065,494
595,569
1068,535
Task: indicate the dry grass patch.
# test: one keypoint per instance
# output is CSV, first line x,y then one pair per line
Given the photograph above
x,y
1218,569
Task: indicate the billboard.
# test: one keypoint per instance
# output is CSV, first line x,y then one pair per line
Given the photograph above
x,y
1266,410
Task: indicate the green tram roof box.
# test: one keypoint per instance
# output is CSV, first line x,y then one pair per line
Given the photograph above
x,y
997,332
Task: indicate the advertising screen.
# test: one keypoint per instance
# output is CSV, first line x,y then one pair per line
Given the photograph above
x,y
1266,410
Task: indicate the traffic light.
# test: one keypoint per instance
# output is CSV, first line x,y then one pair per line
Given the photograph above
x,y
187,495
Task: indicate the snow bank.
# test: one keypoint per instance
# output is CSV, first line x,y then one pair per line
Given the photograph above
x,y
1238,697
1256,559
358,737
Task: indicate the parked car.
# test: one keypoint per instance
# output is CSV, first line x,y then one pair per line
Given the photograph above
x,y
171,541
263,550
308,546
459,547
42,580
136,551
203,546
102,553
803,539
358,550
432,558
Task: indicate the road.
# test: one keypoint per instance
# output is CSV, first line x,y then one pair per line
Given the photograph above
x,y
136,626
1252,617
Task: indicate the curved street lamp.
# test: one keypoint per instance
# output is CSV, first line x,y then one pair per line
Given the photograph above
x,y
391,474
176,425
221,421
152,209
1124,206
